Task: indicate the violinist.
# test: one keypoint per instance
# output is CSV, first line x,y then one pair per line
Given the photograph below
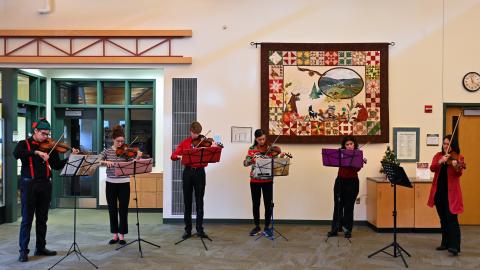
x,y
193,180
446,194
36,186
261,148
345,193
117,189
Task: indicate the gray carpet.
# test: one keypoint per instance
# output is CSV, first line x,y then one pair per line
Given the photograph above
x,y
232,248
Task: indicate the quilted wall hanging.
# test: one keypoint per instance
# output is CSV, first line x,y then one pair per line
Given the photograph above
x,y
318,93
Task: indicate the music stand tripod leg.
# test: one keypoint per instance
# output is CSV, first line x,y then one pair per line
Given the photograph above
x,y
139,239
74,244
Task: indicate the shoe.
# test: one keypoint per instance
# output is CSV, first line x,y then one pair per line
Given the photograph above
x,y
122,242
268,232
186,235
454,251
255,231
441,248
202,234
332,234
23,256
113,241
44,252
348,234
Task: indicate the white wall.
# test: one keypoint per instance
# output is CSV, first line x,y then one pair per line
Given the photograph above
x,y
228,72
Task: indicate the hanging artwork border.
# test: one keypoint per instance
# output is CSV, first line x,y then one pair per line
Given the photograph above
x,y
320,92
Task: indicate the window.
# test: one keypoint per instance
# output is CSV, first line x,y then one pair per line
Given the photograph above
x,y
141,129
77,92
23,87
141,93
111,118
114,93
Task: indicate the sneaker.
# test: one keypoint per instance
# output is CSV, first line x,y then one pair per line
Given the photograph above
x,y
255,231
44,252
23,256
186,235
268,232
332,234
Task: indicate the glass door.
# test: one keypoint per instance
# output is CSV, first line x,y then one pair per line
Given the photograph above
x,y
79,128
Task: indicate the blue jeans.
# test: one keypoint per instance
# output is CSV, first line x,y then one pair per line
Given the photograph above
x,y
35,197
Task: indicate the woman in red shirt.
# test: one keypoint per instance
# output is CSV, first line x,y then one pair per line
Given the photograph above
x,y
446,193
345,193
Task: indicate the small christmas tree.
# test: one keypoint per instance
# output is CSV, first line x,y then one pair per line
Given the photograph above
x,y
389,157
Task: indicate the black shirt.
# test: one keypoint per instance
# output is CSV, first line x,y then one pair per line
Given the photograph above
x,y
39,167
442,185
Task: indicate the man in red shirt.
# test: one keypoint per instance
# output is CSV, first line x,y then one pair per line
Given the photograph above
x,y
193,179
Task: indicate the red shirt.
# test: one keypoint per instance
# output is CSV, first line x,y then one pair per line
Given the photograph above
x,y
348,172
186,144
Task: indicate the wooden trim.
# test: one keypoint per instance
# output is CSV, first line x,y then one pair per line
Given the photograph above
x,y
95,33
96,59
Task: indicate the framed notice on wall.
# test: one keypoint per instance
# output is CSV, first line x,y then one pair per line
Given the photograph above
x,y
406,144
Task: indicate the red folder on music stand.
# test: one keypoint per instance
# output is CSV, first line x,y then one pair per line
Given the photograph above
x,y
202,155
133,167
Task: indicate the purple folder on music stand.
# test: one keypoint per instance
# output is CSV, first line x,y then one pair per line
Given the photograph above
x,y
133,167
342,158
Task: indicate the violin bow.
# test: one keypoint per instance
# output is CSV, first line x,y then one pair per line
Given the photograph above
x,y
363,145
453,133
134,140
271,145
55,145
204,137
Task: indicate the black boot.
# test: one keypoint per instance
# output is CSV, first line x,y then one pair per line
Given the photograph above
x,y
186,235
23,256
44,252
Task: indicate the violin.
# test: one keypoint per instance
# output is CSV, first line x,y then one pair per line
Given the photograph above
x,y
202,141
50,145
272,150
455,156
127,151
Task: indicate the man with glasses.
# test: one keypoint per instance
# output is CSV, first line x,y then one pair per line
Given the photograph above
x,y
36,187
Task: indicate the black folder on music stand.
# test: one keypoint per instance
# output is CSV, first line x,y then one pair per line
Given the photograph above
x,y
78,165
133,168
397,176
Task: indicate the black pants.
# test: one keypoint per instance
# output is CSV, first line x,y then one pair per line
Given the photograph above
x,y
256,190
449,224
118,193
35,196
193,180
345,193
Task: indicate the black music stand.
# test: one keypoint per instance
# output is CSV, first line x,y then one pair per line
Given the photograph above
x,y
266,168
78,165
195,156
397,176
133,168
